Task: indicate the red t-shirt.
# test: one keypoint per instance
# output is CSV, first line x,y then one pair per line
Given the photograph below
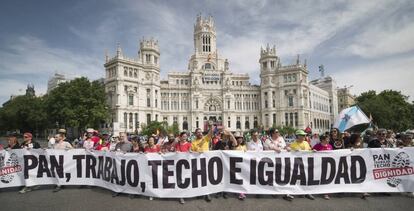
x,y
152,149
100,146
95,139
179,147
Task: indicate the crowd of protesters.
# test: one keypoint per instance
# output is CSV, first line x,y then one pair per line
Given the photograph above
x,y
218,139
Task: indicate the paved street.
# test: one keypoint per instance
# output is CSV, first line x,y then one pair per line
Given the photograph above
x,y
74,198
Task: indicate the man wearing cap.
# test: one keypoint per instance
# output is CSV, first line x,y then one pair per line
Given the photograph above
x,y
28,142
300,145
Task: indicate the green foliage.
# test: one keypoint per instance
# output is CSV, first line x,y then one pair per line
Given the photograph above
x,y
78,103
173,129
389,109
161,127
24,113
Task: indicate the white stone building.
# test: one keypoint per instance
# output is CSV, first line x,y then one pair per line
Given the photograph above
x,y
209,90
55,80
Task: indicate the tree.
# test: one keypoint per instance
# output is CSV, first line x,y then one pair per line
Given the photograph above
x,y
173,129
389,109
153,128
78,103
24,113
160,127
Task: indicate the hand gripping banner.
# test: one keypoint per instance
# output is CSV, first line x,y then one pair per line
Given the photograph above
x,y
176,175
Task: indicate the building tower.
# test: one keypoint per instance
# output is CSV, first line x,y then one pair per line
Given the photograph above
x,y
30,91
150,87
204,36
149,53
269,63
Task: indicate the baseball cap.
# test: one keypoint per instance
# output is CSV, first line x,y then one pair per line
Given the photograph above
x,y
28,135
300,133
62,131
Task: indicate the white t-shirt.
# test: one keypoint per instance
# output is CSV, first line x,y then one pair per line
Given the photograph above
x,y
51,142
253,146
271,144
62,145
88,144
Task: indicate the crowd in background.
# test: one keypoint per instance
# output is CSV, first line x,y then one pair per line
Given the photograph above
x,y
218,139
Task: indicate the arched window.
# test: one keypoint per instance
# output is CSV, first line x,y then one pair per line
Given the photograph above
x,y
185,125
255,124
247,125
130,121
238,125
125,73
207,66
125,119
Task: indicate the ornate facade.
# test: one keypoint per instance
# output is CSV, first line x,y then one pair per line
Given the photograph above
x,y
209,90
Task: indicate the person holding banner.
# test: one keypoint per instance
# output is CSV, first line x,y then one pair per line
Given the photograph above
x,y
300,145
335,139
61,144
241,146
380,141
88,144
151,146
323,146
201,144
183,145
136,145
12,141
168,145
255,144
123,145
105,144
275,141
406,141
355,142
29,143
226,142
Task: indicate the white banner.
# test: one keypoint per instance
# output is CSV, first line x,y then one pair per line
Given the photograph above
x,y
175,175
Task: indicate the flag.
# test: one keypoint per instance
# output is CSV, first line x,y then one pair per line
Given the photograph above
x,y
350,117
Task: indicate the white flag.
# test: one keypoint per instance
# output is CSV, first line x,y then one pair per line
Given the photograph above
x,y
350,117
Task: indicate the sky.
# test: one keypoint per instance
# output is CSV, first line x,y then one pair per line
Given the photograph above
x,y
367,45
